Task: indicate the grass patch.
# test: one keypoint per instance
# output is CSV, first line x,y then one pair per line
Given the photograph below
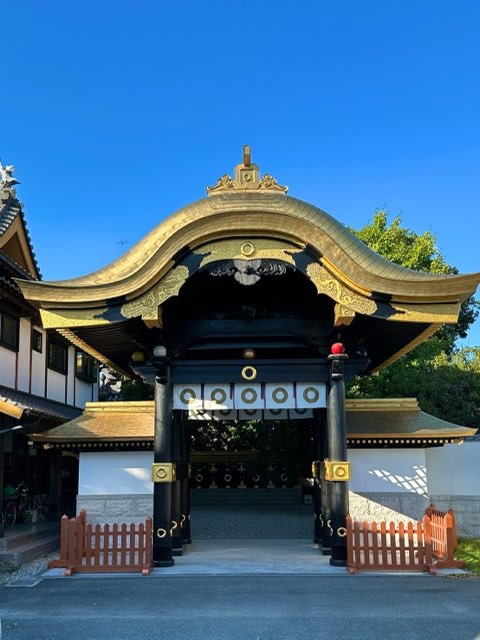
x,y
469,552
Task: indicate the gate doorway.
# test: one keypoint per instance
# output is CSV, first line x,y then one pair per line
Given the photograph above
x,y
251,479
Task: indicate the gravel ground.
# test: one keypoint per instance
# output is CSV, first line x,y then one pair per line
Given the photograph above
x,y
27,570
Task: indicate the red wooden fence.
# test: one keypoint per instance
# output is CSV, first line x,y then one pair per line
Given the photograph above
x,y
86,548
425,546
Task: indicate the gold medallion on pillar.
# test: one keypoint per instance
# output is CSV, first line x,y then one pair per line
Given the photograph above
x,y
164,472
335,470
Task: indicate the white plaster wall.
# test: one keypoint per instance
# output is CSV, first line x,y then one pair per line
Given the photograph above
x,y
71,376
115,472
55,385
38,372
23,377
83,392
454,469
7,367
388,470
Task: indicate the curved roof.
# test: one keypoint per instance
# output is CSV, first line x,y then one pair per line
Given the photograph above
x,y
257,214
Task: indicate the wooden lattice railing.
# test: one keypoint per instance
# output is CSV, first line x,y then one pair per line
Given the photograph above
x,y
87,548
425,546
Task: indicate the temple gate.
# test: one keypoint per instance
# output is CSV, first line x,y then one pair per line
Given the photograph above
x,y
249,300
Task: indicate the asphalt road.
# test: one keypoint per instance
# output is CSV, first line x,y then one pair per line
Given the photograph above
x,y
243,608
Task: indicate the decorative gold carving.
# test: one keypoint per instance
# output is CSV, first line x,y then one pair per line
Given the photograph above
x,y
264,249
246,178
269,182
341,532
147,305
326,283
249,373
335,470
164,472
343,315
73,318
161,533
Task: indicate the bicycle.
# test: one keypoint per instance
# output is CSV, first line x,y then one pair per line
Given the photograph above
x,y
15,505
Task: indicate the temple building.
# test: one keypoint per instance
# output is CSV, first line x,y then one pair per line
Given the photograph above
x,y
44,379
249,305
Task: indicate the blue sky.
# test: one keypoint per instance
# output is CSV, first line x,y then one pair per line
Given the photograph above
x,y
116,114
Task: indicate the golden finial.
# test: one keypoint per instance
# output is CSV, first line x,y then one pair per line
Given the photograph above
x,y
246,178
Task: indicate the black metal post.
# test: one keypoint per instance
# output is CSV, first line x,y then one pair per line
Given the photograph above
x,y
186,529
337,453
177,536
163,470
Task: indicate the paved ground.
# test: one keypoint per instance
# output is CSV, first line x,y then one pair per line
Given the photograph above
x,y
242,590
244,608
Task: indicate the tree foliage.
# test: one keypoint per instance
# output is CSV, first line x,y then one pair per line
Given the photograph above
x,y
444,378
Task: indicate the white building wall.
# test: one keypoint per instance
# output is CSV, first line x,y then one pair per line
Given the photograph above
x,y
71,376
23,375
39,367
7,367
84,392
115,472
454,482
55,385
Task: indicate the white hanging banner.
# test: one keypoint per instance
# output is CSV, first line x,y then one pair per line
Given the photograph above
x,y
250,414
279,395
248,396
217,397
300,414
271,396
311,396
187,396
276,414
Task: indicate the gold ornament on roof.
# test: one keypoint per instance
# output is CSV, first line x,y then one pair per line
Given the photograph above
x,y
246,178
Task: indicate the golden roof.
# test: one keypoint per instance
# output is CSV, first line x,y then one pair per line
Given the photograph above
x,y
389,418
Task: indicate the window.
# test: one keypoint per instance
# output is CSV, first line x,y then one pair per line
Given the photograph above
x,y
8,331
37,341
57,356
85,366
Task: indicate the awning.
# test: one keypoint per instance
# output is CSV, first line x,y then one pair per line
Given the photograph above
x,y
19,404
378,422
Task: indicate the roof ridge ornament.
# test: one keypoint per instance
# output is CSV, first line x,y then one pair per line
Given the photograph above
x,y
246,178
7,180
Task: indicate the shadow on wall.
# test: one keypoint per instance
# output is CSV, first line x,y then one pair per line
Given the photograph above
x,y
415,483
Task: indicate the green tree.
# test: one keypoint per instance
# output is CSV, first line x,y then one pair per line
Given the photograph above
x,y
444,378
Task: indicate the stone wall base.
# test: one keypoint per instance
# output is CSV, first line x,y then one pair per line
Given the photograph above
x,y
391,507
134,507
467,512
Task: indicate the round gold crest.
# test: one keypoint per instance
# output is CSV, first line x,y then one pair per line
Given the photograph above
x,y
249,373
247,249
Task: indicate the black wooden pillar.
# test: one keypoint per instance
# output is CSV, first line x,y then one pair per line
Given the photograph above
x,y
323,529
163,471
186,529
318,455
177,536
336,469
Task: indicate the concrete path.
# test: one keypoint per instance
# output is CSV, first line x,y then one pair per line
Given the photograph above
x,y
243,557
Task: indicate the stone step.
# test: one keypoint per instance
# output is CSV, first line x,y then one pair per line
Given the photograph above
x,y
23,534
18,555
275,498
